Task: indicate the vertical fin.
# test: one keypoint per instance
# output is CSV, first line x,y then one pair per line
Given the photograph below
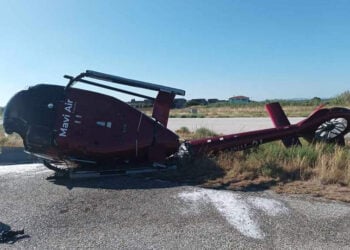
x,y
162,106
280,119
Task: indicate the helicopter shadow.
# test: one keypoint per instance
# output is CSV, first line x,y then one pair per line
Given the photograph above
x,y
114,182
159,182
187,173
201,172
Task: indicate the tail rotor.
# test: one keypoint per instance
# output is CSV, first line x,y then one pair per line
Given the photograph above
x,y
332,131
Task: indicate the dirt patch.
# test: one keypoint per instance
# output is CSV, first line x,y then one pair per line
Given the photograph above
x,y
316,189
313,188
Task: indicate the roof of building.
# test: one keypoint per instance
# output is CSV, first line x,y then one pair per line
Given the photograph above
x,y
239,97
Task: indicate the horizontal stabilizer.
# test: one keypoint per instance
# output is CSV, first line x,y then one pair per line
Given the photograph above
x,y
280,119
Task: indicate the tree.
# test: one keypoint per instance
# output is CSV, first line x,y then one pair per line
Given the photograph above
x,y
315,101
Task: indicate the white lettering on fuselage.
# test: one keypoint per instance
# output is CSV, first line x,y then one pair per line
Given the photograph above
x,y
68,105
65,125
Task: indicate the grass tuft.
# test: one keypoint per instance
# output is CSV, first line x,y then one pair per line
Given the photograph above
x,y
203,133
183,130
186,134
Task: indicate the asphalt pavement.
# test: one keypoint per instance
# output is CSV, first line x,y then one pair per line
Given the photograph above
x,y
140,213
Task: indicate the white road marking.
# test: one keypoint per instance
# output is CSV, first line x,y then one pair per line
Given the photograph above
x,y
239,212
269,206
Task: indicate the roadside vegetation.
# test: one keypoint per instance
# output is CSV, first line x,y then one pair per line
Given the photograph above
x,y
293,108
13,140
318,169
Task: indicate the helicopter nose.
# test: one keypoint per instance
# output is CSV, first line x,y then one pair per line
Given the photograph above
x,y
8,126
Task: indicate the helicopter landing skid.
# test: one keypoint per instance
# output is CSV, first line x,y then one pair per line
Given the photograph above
x,y
79,173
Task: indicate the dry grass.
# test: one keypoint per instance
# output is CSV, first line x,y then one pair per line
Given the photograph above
x,y
334,168
186,134
237,111
317,169
327,164
315,189
241,110
13,140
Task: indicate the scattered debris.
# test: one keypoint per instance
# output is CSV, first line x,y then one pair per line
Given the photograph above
x,y
11,236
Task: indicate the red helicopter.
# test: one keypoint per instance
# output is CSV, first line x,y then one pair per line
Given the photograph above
x,y
88,129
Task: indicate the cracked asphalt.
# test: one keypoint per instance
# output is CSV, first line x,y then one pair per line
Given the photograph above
x,y
138,213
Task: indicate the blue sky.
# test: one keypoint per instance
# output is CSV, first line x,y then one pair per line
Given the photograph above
x,y
212,49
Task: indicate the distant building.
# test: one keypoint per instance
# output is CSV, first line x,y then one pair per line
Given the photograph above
x,y
179,103
223,101
239,99
195,102
140,104
213,100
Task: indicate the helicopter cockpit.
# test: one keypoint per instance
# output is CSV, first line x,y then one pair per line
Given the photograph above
x,y
31,114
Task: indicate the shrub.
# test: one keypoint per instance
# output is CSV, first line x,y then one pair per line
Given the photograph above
x,y
203,133
183,130
342,99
